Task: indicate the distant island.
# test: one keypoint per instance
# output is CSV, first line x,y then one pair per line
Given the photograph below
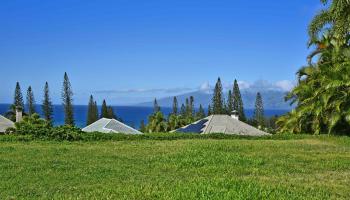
x,y
273,99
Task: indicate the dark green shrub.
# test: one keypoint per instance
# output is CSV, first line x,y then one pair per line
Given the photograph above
x,y
65,132
32,125
39,128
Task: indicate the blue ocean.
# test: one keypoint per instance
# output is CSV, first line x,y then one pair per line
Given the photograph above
x,y
131,115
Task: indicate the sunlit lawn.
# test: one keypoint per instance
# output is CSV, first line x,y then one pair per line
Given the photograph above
x,y
310,168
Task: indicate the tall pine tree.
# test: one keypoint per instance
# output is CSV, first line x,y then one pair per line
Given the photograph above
x,y
201,113
183,111
104,110
67,98
156,107
91,114
143,127
95,111
209,110
18,103
111,114
191,106
175,106
188,109
259,111
18,98
47,105
217,101
30,101
229,104
238,102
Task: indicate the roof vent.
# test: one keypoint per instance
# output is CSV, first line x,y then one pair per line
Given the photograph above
x,y
234,115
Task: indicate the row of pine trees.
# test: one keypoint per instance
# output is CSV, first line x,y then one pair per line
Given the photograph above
x,y
234,102
46,106
187,114
179,117
93,114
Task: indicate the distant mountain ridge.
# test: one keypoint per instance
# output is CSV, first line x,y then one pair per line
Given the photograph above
x,y
273,99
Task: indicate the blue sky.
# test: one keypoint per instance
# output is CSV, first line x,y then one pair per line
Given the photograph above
x,y
131,51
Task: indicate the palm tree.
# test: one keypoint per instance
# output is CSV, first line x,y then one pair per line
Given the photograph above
x,y
322,95
335,17
323,92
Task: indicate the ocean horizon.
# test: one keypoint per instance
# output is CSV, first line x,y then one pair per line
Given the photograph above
x,y
131,115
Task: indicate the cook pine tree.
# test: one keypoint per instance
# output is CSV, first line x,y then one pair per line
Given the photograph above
x,y
217,100
30,101
259,111
238,102
67,101
47,107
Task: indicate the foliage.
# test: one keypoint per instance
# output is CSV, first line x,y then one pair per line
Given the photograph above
x,y
201,113
335,18
143,127
104,110
67,98
47,106
32,125
111,113
18,97
92,113
229,104
217,100
65,132
175,106
191,110
39,128
156,107
18,104
210,110
156,123
238,102
175,121
322,95
183,110
259,111
30,101
323,92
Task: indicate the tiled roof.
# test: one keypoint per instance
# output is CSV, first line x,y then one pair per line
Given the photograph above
x,y
105,125
5,124
221,124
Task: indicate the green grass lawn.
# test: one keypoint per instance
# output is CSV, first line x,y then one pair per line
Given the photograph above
x,y
302,168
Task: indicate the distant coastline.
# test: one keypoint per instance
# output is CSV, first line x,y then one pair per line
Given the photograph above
x,y
131,115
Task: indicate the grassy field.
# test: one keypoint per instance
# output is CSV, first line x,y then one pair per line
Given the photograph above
x,y
301,168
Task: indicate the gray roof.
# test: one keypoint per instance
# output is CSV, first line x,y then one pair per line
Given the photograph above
x,y
5,124
221,124
105,125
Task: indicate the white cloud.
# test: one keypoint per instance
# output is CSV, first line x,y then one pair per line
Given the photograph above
x,y
140,90
261,85
243,85
285,85
205,87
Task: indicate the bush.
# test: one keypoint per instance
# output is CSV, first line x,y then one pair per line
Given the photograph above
x,y
69,133
39,128
32,125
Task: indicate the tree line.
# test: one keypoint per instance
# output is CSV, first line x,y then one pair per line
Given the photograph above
x,y
181,115
46,106
187,113
28,108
